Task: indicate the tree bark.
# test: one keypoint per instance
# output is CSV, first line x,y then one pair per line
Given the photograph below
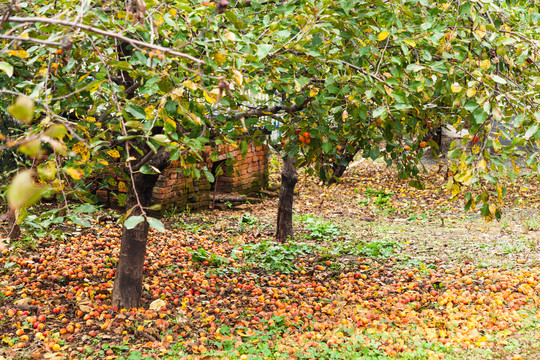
x,y
289,178
13,230
127,289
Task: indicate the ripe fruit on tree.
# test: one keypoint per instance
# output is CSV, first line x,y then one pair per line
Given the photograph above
x,y
475,139
305,137
423,144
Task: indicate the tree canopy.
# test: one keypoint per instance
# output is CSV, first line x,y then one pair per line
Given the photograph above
x,y
368,76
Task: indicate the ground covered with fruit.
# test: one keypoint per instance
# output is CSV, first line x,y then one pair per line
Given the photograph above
x,y
377,270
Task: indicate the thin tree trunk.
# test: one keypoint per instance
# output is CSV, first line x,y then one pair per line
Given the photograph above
x,y
13,229
289,178
128,282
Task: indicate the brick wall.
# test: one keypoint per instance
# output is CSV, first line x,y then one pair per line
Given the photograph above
x,y
244,175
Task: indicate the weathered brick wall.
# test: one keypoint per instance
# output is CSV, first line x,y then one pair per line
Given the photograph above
x,y
247,174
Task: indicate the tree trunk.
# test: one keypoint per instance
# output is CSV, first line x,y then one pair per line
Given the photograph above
x,y
127,289
289,178
14,230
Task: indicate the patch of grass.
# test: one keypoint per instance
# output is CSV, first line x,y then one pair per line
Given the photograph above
x,y
319,229
532,223
201,255
273,256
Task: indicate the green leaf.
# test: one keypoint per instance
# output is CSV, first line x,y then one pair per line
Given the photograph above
x,y
56,131
374,153
7,68
327,147
81,222
156,224
263,50
47,170
161,139
23,109
379,111
498,79
122,65
133,221
134,124
415,67
136,110
149,170
22,191
209,175
531,131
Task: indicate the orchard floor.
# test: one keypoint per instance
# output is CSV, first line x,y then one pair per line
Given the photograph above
x,y
377,270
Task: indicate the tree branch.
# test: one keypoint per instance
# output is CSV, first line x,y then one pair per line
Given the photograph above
x,y
104,33
271,110
44,42
143,160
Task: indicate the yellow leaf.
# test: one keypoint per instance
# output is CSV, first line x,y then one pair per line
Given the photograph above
x,y
471,92
313,92
177,93
475,149
229,35
238,78
383,35
82,151
103,162
90,118
190,85
122,186
195,118
170,121
485,64
42,72
410,42
220,57
482,164
19,53
173,12
481,31
297,86
455,87
344,115
76,174
148,111
113,153
209,97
